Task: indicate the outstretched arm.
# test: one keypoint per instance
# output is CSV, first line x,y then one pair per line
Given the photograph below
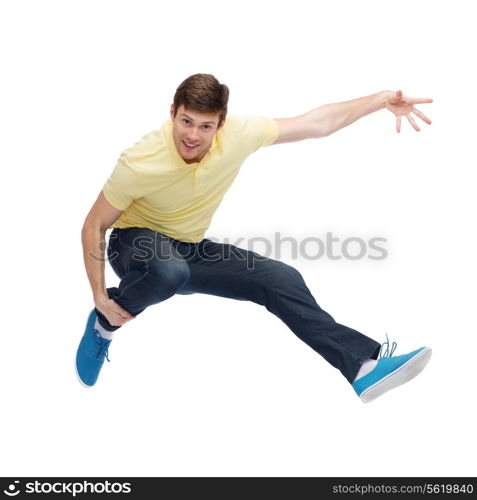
x,y
327,119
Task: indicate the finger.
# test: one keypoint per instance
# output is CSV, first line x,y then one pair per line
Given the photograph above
x,y
398,124
421,115
114,321
397,97
413,123
420,100
122,312
120,321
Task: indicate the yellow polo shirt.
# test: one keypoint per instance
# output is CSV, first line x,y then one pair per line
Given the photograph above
x,y
157,189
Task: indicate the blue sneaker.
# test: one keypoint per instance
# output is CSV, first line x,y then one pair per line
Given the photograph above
x,y
91,353
391,372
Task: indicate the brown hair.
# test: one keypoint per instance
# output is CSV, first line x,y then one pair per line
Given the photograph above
x,y
202,93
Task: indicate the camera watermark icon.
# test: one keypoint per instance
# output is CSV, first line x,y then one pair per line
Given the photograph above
x,y
12,490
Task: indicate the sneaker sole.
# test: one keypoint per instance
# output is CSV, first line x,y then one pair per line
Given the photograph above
x,y
403,374
79,378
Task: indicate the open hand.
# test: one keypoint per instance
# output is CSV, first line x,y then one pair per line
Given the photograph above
x,y
402,105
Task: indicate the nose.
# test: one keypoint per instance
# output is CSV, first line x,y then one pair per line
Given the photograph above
x,y
192,135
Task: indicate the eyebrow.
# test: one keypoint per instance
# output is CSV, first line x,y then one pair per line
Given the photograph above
x,y
203,123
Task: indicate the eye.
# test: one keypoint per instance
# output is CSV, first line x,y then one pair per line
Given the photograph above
x,y
185,121
206,127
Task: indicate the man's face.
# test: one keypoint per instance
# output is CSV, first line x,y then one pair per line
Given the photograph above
x,y
193,132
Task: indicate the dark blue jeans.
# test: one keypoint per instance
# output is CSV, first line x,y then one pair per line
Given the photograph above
x,y
153,267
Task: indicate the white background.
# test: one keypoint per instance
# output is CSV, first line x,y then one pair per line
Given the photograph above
x,y
203,386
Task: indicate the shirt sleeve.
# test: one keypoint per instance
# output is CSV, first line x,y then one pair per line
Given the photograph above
x,y
259,131
122,187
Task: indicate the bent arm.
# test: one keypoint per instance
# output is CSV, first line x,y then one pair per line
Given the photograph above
x,y
99,218
327,119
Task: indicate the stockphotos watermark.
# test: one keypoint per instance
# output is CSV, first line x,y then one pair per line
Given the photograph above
x,y
329,246
66,488
146,245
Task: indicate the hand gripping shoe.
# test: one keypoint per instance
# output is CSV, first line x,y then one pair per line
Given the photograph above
x,y
390,372
91,353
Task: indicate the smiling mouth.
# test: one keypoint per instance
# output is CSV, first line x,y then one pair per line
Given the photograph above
x,y
189,147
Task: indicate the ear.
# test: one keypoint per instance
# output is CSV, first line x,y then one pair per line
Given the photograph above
x,y
172,111
221,124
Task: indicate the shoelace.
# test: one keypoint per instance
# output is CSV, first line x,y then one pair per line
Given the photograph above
x,y
387,349
103,345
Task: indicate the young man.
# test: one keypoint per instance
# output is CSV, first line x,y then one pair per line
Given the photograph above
x,y
160,200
